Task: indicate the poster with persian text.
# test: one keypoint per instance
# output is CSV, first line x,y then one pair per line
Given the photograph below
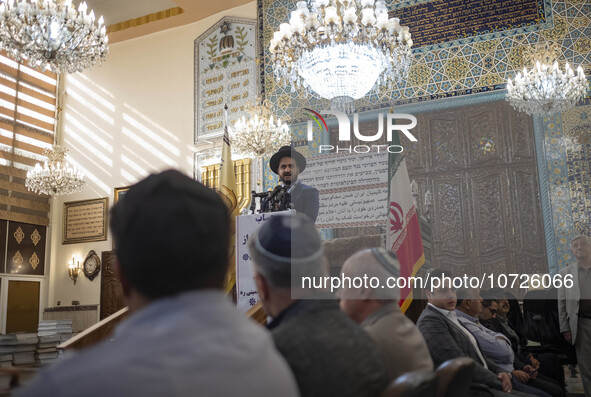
x,y
225,73
246,225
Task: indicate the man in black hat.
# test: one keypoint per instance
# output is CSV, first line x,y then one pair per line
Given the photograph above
x,y
288,163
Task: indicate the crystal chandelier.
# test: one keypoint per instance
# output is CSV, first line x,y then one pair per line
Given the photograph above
x,y
261,134
546,89
56,176
51,33
339,49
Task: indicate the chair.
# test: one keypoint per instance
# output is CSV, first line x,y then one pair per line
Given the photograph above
x,y
413,384
454,377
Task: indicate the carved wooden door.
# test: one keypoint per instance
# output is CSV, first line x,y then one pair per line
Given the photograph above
x,y
479,163
111,291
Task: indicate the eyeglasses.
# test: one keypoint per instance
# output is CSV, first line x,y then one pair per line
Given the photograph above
x,y
492,311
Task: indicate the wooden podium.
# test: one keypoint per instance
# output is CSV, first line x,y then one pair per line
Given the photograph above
x,y
246,292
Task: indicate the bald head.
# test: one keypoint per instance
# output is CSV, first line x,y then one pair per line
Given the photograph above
x,y
375,265
365,282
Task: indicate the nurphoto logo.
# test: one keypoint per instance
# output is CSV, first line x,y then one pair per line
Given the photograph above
x,y
345,131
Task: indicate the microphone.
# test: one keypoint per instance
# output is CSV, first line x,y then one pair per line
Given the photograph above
x,y
253,202
282,193
260,195
275,191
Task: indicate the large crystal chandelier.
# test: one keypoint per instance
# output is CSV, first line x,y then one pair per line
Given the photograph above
x,y
340,48
56,177
546,89
261,134
51,33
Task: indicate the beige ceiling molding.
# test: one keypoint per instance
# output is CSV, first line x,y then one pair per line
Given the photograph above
x,y
156,16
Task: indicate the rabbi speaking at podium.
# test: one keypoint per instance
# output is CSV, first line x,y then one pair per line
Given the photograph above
x,y
288,163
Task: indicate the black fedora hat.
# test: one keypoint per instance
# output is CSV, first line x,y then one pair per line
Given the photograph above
x,y
287,151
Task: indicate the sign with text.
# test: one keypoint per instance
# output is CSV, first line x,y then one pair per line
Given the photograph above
x,y
225,74
246,292
85,221
439,21
353,188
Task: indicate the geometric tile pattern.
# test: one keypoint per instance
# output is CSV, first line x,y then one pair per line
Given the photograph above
x,y
459,67
568,157
472,65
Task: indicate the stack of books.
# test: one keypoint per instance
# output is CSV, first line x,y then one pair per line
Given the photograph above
x,y
51,334
7,346
24,352
47,348
63,328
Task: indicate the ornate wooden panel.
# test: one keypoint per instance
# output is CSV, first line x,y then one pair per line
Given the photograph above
x,y
479,163
491,237
446,145
3,241
527,221
26,249
452,213
521,137
111,291
486,143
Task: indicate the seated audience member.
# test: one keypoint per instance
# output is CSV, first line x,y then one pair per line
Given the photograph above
x,y
495,346
183,336
399,341
446,339
515,318
548,364
328,353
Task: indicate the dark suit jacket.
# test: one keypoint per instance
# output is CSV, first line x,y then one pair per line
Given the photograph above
x,y
445,341
328,353
305,199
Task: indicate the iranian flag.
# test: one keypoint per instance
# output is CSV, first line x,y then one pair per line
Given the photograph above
x,y
403,234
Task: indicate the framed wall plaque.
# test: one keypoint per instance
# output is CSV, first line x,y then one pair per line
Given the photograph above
x,y
85,221
226,72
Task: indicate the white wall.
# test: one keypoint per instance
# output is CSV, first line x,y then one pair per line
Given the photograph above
x,y
123,120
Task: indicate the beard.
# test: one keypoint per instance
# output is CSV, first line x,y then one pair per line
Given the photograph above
x,y
287,182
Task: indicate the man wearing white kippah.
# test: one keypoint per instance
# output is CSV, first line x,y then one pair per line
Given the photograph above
x,y
399,341
328,353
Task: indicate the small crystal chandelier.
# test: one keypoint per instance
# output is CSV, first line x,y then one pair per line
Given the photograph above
x,y
546,89
56,176
339,49
262,134
51,33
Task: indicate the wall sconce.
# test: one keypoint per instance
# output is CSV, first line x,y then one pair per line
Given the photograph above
x,y
74,270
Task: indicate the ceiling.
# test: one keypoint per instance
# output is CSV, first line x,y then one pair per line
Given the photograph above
x,y
128,19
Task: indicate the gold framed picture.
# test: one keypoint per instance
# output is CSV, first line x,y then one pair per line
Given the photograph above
x,y
85,220
120,192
